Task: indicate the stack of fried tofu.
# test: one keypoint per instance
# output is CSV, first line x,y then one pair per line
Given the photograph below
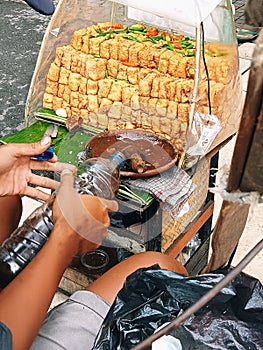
x,y
114,82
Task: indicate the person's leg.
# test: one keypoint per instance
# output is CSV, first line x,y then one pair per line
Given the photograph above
x,y
10,214
108,285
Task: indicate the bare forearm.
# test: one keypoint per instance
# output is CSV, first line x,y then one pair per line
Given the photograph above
x,y
25,301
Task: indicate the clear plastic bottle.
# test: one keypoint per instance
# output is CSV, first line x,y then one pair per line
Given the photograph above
x,y
96,176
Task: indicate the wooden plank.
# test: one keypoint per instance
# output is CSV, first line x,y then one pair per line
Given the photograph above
x,y
252,179
189,233
249,118
228,230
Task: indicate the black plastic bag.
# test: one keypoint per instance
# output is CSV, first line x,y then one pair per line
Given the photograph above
x,y
152,297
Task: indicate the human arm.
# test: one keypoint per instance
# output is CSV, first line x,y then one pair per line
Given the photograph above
x,y
25,301
16,165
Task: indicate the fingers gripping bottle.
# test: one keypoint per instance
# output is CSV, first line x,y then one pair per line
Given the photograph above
x,y
96,176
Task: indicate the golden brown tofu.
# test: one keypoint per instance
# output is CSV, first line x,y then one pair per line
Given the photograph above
x,y
122,72
163,88
84,113
127,93
83,101
59,55
115,110
143,72
86,43
94,45
112,68
161,107
92,87
83,85
53,73
184,90
52,87
145,85
104,105
114,48
77,40
74,81
172,110
132,75
61,89
183,111
164,61
155,87
173,64
105,49
134,54
124,46
57,103
93,103
66,95
152,105
63,76
48,98
103,120
95,68
144,55
104,87
74,99
115,93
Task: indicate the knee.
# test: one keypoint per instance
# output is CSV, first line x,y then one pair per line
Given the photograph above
x,y
150,258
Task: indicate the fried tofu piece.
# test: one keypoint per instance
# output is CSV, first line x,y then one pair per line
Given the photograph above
x,y
183,111
83,85
134,54
95,68
52,87
86,44
184,89
163,87
144,55
63,76
83,101
115,93
122,72
48,99
152,105
132,75
59,55
104,86
93,103
93,119
103,119
74,81
128,92
171,89
164,61
53,73
143,72
161,107
66,94
74,99
114,48
172,109
84,114
57,103
94,45
173,64
105,104
92,87
155,87
105,49
66,59
115,110
182,67
112,68
77,39
61,89
124,46
145,85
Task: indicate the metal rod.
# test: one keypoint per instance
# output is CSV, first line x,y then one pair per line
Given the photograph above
x,y
202,301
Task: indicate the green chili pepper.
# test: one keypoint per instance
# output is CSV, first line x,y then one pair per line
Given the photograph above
x,y
106,73
96,56
116,31
130,37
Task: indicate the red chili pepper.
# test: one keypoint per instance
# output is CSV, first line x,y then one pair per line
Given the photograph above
x,y
152,31
117,26
178,37
177,45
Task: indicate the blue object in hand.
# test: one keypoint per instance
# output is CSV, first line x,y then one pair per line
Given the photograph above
x,y
46,155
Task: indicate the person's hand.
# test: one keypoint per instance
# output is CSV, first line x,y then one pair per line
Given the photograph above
x,y
16,165
82,214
